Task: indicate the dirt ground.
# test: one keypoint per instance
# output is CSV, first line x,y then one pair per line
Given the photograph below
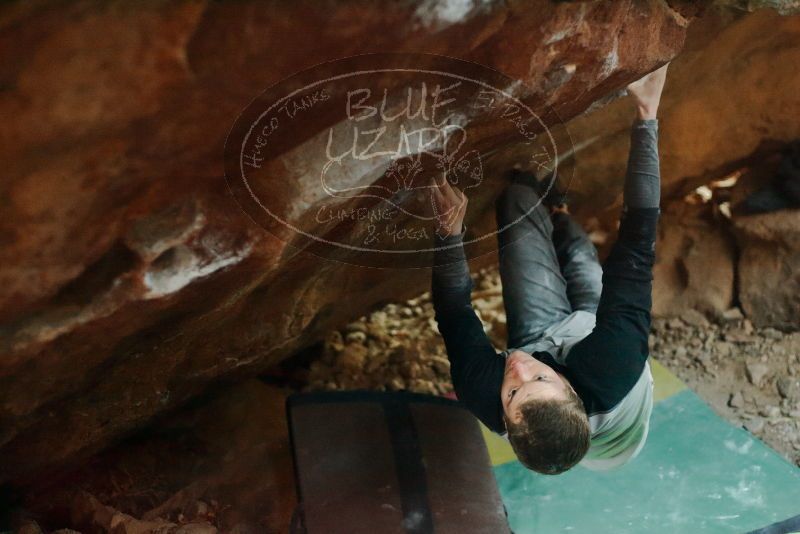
x,y
749,376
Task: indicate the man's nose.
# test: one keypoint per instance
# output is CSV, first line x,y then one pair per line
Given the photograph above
x,y
522,370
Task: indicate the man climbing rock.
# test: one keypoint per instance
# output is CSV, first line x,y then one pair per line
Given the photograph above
x,y
575,385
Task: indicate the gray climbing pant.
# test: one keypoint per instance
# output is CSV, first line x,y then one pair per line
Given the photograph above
x,y
548,266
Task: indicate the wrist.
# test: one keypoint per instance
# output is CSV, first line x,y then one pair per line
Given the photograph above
x,y
453,236
646,112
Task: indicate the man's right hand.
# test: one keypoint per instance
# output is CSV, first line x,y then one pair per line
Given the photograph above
x,y
449,208
646,92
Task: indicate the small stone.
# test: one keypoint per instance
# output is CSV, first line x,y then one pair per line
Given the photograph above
x,y
680,352
410,370
352,357
423,386
739,337
659,325
357,326
754,426
198,510
397,384
379,317
732,315
723,348
334,341
433,325
770,411
756,373
747,326
694,318
703,358
357,336
771,333
441,365
787,388
736,400
675,324
427,373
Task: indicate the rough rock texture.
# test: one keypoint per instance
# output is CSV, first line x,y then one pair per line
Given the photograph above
x,y
769,268
730,99
129,279
784,7
724,114
694,264
221,464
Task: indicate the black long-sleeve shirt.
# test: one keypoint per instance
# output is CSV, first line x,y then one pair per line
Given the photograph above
x,y
606,364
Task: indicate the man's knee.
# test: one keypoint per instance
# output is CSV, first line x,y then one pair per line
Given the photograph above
x,y
517,199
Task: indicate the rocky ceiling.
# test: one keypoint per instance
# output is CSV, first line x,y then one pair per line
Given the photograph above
x,y
131,279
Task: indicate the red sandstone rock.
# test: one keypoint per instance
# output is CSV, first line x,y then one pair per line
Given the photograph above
x,y
730,100
129,278
769,268
694,263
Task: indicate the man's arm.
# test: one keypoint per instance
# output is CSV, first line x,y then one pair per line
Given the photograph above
x,y
628,270
610,360
476,369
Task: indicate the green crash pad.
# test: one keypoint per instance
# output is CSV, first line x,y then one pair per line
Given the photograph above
x,y
697,473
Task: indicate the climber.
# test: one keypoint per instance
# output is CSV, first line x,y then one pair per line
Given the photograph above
x,y
575,385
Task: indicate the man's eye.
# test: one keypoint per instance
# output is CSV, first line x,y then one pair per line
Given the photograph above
x,y
512,393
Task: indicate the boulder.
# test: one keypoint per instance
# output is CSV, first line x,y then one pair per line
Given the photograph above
x,y
769,268
130,279
695,259
729,101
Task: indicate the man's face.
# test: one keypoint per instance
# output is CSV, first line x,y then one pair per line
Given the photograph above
x,y
526,378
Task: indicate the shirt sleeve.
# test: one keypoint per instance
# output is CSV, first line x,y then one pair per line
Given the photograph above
x,y
610,360
475,368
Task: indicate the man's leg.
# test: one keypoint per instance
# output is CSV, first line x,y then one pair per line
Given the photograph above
x,y
577,258
534,291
